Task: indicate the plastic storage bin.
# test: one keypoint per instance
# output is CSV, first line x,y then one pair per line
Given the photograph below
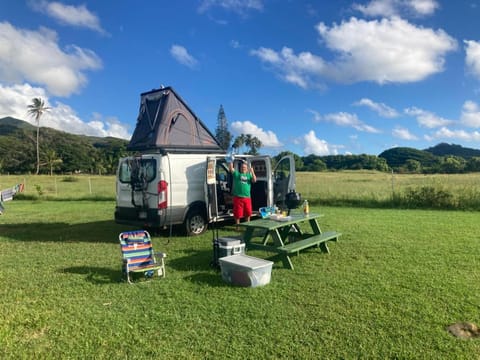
x,y
244,270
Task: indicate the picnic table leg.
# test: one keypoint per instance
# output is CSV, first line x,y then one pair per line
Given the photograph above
x,y
286,261
277,237
324,247
315,227
247,236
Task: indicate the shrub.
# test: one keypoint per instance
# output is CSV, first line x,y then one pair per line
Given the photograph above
x,y
70,179
429,197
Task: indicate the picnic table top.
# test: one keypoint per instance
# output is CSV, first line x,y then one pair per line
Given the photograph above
x,y
271,223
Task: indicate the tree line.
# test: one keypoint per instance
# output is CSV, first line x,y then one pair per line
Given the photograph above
x,y
29,149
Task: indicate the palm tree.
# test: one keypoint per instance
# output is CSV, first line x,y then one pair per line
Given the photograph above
x,y
239,142
52,160
36,109
253,143
248,140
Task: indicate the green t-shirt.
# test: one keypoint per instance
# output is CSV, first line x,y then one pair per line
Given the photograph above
x,y
241,183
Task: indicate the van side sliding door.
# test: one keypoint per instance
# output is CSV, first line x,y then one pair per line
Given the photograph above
x,y
262,192
284,179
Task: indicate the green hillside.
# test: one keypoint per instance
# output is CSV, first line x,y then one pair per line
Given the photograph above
x,y
59,151
65,153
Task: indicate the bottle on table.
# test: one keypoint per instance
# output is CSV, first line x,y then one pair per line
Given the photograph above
x,y
306,208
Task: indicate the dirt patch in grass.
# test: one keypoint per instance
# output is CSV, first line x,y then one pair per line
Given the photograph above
x,y
464,330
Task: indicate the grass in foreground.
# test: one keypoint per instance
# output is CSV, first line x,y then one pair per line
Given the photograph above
x,y
389,289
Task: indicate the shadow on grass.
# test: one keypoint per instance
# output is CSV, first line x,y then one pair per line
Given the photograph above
x,y
98,231
194,260
95,232
96,275
212,279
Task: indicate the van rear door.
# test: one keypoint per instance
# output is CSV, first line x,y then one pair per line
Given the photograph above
x,y
137,196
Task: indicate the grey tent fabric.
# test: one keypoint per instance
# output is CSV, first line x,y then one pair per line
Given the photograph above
x,y
166,123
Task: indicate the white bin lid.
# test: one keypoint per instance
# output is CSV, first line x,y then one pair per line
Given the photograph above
x,y
245,260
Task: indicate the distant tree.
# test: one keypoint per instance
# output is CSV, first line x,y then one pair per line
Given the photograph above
x,y
36,109
253,143
239,142
413,166
52,160
453,164
316,165
222,134
473,164
298,160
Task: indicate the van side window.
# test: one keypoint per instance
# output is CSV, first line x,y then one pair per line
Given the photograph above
x,y
259,168
141,169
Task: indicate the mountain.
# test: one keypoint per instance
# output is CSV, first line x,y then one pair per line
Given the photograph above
x,y
78,153
444,149
398,156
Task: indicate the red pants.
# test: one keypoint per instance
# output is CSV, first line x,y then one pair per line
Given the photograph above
x,y
242,207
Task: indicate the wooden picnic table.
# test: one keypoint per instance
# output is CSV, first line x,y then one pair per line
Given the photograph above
x,y
285,235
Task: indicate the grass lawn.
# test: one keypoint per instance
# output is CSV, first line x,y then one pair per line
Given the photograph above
x,y
389,288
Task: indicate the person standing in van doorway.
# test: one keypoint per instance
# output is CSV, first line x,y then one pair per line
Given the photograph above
x,y
242,183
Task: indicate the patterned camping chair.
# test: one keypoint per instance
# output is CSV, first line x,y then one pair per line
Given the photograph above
x,y
138,255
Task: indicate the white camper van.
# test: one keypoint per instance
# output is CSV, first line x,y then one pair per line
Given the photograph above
x,y
180,175
156,190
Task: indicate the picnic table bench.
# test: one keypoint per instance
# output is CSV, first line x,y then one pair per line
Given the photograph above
x,y
285,236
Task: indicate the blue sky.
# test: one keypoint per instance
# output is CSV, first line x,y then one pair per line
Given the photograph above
x,y
312,77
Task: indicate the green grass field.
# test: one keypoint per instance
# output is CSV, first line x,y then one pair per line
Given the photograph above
x,y
388,290
345,188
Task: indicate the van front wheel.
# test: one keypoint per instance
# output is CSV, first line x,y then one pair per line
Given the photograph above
x,y
195,223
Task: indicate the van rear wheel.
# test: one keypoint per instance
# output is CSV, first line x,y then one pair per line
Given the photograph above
x,y
195,223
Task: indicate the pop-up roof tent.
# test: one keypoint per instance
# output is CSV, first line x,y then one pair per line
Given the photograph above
x,y
166,123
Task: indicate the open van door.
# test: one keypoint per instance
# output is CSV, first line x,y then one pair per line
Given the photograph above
x,y
218,189
219,185
261,191
284,179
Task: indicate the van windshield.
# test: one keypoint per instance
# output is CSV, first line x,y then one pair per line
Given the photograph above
x,y
137,170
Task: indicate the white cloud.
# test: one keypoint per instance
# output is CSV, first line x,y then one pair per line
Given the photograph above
x,y
235,44
397,7
78,16
445,133
344,119
237,6
386,51
379,108
403,134
470,114
181,54
295,69
15,99
377,8
472,49
267,137
423,7
34,56
426,118
314,145
389,50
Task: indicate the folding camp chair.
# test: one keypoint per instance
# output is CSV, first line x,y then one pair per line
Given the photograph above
x,y
138,255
